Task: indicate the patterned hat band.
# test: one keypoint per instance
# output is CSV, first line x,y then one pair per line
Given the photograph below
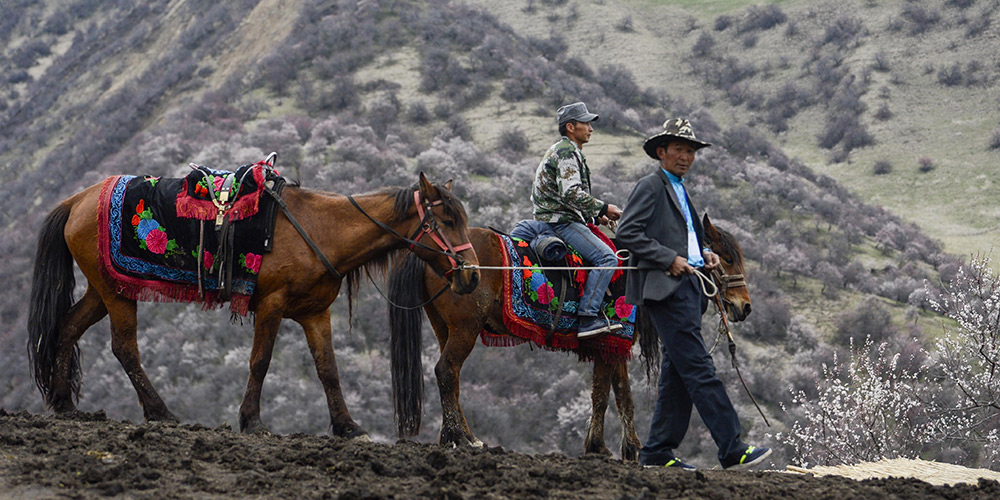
x,y
676,128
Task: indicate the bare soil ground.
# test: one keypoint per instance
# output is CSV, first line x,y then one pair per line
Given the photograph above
x,y
89,456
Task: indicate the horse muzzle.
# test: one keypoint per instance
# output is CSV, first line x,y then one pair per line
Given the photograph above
x,y
464,281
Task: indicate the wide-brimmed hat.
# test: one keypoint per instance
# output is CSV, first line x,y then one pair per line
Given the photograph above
x,y
575,112
675,128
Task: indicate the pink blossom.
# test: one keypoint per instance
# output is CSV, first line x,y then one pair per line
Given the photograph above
x,y
156,241
209,260
622,309
545,294
217,182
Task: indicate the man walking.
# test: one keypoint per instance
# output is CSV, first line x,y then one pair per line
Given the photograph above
x,y
561,196
663,233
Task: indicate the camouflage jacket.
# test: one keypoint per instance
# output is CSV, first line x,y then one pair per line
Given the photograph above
x,y
561,191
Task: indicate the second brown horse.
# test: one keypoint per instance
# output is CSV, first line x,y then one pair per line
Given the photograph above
x,y
458,320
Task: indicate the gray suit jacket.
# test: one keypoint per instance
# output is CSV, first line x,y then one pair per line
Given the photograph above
x,y
652,228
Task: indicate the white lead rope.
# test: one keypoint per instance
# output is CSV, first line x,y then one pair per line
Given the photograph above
x,y
703,280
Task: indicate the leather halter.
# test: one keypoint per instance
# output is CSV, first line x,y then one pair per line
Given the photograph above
x,y
727,281
429,226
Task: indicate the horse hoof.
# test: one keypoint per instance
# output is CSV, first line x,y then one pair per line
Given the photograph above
x,y
352,432
254,426
167,418
477,443
364,438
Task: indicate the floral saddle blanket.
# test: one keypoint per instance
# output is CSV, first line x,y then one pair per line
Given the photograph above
x,y
532,312
163,239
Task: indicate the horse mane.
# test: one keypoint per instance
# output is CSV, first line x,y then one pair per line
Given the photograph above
x,y
404,201
729,245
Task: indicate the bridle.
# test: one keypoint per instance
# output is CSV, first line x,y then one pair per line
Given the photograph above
x,y
726,281
428,227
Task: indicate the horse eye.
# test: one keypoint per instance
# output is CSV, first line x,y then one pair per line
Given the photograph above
x,y
449,224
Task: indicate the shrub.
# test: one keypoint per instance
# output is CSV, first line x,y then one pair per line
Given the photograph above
x,y
870,318
995,139
881,62
703,46
723,22
842,32
625,25
418,113
18,76
58,23
951,75
761,18
882,167
837,128
921,19
883,113
513,140
926,164
961,4
977,25
750,41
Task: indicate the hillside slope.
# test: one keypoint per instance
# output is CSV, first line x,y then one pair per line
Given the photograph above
x,y
931,64
356,95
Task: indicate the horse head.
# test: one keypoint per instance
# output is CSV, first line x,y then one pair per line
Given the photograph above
x,y
730,275
448,249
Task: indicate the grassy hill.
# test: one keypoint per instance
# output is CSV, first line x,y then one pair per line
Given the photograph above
x,y
899,46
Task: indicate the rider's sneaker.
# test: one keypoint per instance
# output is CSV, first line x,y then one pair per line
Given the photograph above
x,y
749,458
592,326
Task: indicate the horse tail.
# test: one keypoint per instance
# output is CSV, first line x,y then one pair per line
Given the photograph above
x,y
51,297
649,343
406,285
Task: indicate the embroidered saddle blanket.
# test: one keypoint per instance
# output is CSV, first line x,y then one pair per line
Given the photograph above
x,y
531,311
152,230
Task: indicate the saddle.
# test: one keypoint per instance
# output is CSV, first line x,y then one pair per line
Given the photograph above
x,y
200,238
539,305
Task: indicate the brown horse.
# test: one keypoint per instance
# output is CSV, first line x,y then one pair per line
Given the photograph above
x,y
292,283
458,320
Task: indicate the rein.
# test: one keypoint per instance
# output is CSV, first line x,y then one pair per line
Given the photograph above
x,y
725,282
428,226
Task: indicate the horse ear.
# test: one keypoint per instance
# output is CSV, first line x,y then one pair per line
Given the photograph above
x,y
447,185
426,188
710,230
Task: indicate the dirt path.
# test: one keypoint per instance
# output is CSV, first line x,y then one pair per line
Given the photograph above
x,y
89,456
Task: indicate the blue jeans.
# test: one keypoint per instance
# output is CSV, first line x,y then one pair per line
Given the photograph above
x,y
687,376
595,253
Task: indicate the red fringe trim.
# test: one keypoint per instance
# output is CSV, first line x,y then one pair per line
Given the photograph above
x,y
610,348
244,206
150,290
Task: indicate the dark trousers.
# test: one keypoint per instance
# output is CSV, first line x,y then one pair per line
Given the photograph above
x,y
687,375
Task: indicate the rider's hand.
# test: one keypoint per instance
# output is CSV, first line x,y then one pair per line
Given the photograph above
x,y
680,266
613,212
602,220
711,259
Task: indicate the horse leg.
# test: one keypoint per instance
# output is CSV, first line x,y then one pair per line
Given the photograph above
x,y
81,316
265,331
626,411
319,338
455,348
599,394
126,348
